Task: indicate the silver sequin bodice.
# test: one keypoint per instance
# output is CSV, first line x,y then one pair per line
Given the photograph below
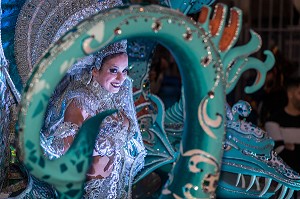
x,y
124,144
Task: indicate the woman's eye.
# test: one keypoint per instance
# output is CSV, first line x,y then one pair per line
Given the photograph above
x,y
113,70
125,71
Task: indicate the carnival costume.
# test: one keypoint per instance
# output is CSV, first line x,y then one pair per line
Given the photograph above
x,y
213,58
122,144
114,140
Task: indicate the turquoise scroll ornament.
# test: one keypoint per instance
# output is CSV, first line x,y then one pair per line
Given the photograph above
x,y
188,44
235,60
204,68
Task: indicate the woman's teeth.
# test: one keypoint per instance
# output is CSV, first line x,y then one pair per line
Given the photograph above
x,y
115,85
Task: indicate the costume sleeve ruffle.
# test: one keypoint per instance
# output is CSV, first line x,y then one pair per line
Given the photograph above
x,y
104,147
54,145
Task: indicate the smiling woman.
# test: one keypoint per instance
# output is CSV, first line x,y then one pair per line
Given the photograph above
x,y
113,72
119,151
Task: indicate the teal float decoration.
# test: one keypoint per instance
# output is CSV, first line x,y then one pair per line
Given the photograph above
x,y
250,166
186,6
210,67
189,44
149,108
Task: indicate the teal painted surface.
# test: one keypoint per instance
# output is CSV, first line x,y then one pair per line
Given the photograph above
x,y
154,22
208,74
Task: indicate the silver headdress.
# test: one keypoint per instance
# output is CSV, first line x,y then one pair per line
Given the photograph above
x,y
82,69
47,21
114,48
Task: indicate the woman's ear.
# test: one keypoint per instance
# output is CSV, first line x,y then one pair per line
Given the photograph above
x,y
94,72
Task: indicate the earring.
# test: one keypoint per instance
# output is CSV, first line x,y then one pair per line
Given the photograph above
x,y
86,77
90,77
95,84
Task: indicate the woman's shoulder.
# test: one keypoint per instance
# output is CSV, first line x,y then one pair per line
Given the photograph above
x,y
75,114
79,99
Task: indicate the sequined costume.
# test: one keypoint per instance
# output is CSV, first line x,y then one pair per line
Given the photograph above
x,y
125,145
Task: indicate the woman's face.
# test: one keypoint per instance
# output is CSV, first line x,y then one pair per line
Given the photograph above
x,y
112,73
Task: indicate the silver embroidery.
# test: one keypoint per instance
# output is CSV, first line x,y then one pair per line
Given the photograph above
x,y
66,129
124,144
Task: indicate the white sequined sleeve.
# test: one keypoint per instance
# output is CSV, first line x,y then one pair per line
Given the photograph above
x,y
54,145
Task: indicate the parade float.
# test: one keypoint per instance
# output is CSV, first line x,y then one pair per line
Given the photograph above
x,y
220,155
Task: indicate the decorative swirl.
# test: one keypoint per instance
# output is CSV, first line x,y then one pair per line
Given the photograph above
x,y
197,156
235,60
243,64
242,51
205,121
96,38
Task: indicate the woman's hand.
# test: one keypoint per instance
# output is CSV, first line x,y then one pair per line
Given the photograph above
x,y
102,167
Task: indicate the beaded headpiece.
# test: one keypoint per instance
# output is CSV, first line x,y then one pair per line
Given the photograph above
x,y
114,48
86,64
47,21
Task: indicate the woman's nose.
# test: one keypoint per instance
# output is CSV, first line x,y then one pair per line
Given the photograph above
x,y
121,76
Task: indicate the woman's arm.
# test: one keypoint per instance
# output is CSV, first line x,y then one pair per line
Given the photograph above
x,y
73,115
102,165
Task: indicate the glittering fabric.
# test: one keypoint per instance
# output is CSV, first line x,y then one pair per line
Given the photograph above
x,y
42,22
113,140
114,48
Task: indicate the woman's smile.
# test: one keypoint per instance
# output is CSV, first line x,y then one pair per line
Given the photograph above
x,y
112,73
